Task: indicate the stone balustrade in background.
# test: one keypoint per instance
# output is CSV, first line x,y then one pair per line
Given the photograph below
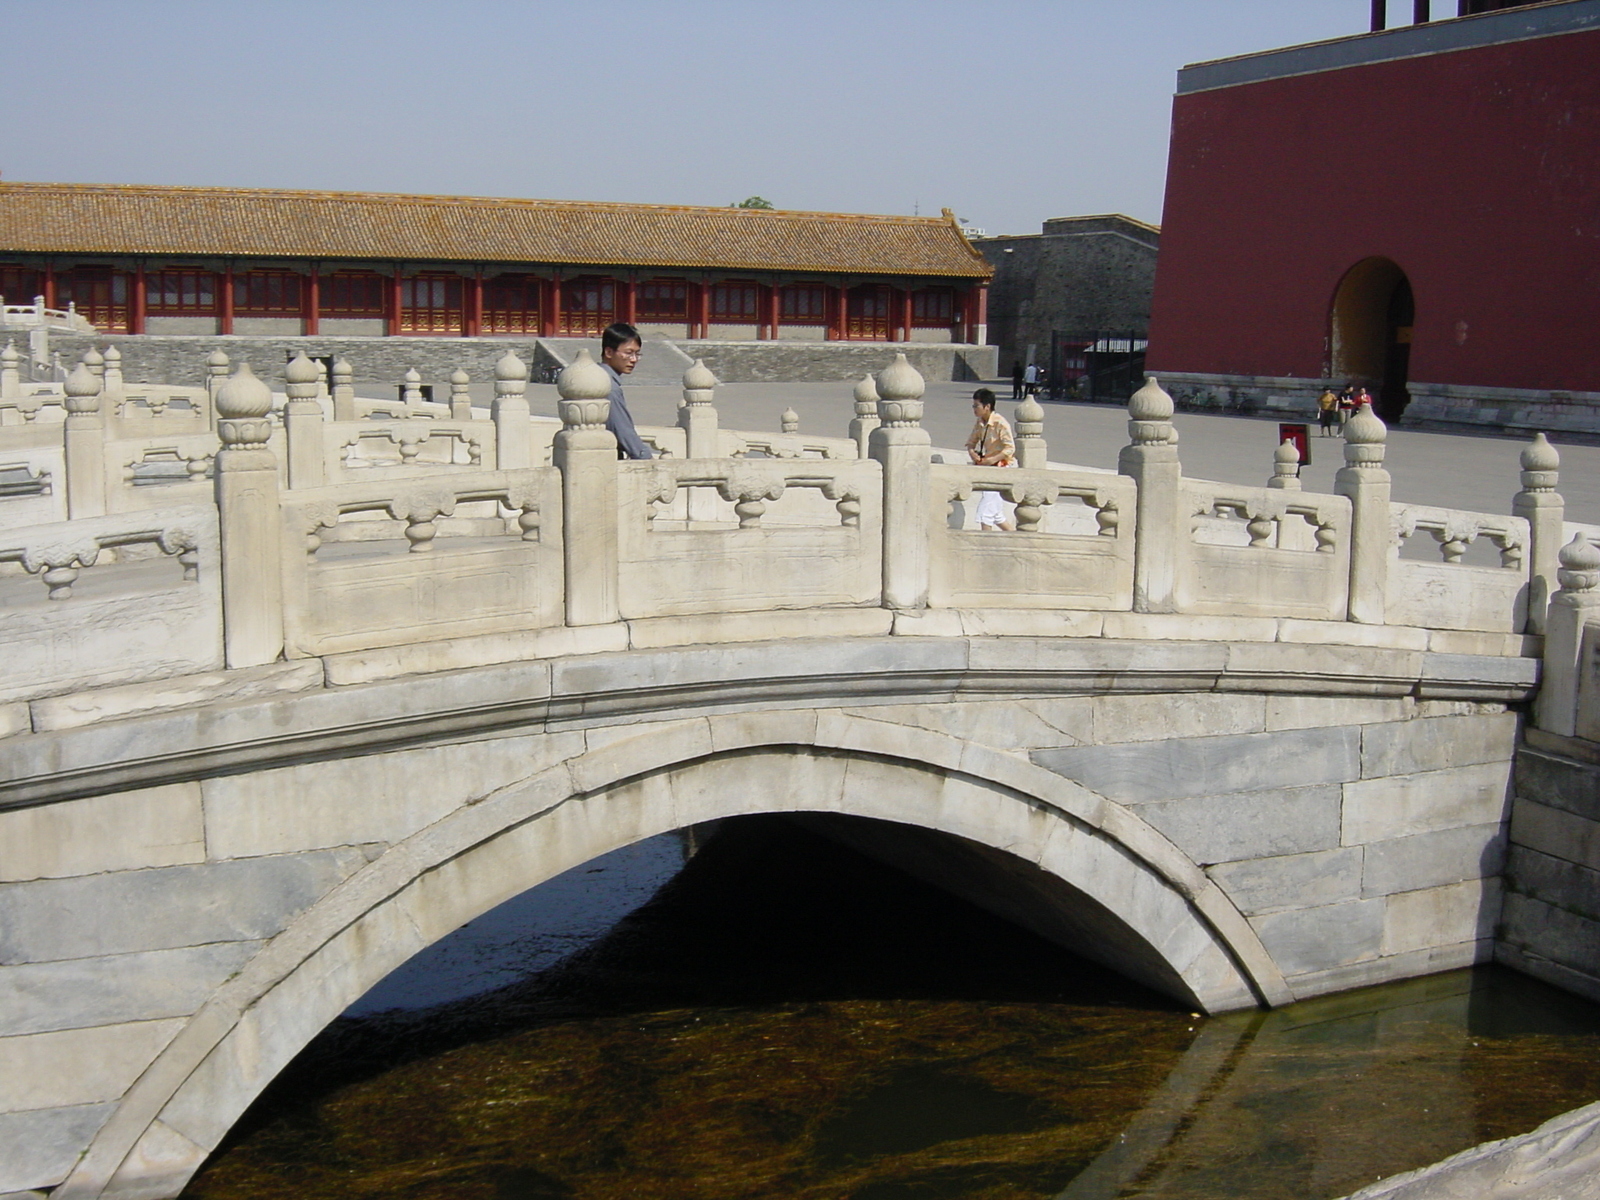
x,y
350,525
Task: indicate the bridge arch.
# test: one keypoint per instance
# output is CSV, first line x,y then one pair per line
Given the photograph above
x,y
1180,932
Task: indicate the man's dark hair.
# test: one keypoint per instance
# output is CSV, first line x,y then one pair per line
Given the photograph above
x,y
619,334
984,396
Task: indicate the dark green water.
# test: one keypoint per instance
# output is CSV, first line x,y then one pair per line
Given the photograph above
x,y
788,1019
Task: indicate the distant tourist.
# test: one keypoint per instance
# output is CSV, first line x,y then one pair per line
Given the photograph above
x,y
991,445
1363,398
1016,379
620,345
1030,379
1347,403
1328,411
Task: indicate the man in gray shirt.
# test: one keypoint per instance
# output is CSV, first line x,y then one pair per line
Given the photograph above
x,y
619,354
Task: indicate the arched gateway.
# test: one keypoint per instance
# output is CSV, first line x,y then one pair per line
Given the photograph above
x,y
1370,326
1096,876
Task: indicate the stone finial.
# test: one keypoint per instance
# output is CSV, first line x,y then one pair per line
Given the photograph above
x,y
698,378
900,387
9,356
1150,412
217,358
82,390
1580,565
866,397
1285,467
460,395
1364,438
343,373
1031,449
95,361
1541,465
1030,413
243,404
112,358
509,369
585,391
301,371
459,379
789,421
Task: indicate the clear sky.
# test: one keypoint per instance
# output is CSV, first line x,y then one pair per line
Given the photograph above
x,y
1008,111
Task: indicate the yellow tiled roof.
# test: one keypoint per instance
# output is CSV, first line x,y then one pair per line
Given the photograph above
x,y
72,218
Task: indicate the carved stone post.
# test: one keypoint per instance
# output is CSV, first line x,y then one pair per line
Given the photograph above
x,y
216,376
1031,449
10,372
586,454
411,388
247,510
302,425
513,425
96,362
1545,511
1571,608
460,395
866,418
789,421
344,391
111,391
1286,467
1160,533
85,445
697,417
902,446
1364,480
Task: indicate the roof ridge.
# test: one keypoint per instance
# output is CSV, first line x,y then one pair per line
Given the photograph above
x,y
159,189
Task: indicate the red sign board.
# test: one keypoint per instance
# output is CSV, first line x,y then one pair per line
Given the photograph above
x,y
1300,435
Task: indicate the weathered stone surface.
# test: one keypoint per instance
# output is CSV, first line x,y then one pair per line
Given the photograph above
x,y
1435,743
77,1066
14,718
1561,936
1556,832
1554,880
1171,769
1431,859
1457,912
83,992
1266,885
1309,712
1376,810
1315,939
216,687
1245,825
1558,782
1180,715
214,902
42,1145
1003,724
152,827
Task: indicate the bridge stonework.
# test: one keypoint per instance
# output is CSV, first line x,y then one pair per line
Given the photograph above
x,y
1241,771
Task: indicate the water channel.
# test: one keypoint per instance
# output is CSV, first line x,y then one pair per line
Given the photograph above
x,y
760,1012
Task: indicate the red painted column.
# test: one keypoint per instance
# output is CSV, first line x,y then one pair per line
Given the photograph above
x,y
311,307
905,315
840,300
980,320
225,305
628,300
473,325
136,302
49,284
549,306
777,310
700,307
394,303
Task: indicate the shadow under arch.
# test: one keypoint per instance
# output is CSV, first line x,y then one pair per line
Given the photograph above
x,y
1182,934
1369,331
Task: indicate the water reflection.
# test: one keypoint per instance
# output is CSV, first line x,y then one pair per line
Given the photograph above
x,y
786,1018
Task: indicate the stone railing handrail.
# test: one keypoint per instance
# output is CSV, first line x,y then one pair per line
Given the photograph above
x,y
36,315
498,543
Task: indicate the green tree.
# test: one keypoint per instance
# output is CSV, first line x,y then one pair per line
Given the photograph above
x,y
754,202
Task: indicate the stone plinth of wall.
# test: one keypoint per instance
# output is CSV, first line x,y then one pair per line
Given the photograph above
x,y
1246,393
1551,926
377,361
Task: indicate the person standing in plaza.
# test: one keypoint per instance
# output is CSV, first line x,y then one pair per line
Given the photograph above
x,y
991,445
1327,411
1016,379
620,345
1030,379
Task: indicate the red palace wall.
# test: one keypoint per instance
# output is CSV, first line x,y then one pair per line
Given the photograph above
x,y
1477,171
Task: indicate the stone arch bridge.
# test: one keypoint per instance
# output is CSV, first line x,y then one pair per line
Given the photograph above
x,y
264,745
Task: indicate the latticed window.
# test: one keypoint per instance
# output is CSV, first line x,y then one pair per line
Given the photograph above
x,y
662,300
99,294
511,304
804,304
867,313
19,285
933,308
588,305
267,294
735,303
352,294
431,304
180,293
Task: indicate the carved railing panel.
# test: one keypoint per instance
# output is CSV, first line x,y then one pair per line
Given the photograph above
x,y
393,562
106,600
830,555
1264,552
1072,548
358,450
1441,591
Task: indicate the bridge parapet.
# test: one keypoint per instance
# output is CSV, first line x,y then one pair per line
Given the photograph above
x,y
404,526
